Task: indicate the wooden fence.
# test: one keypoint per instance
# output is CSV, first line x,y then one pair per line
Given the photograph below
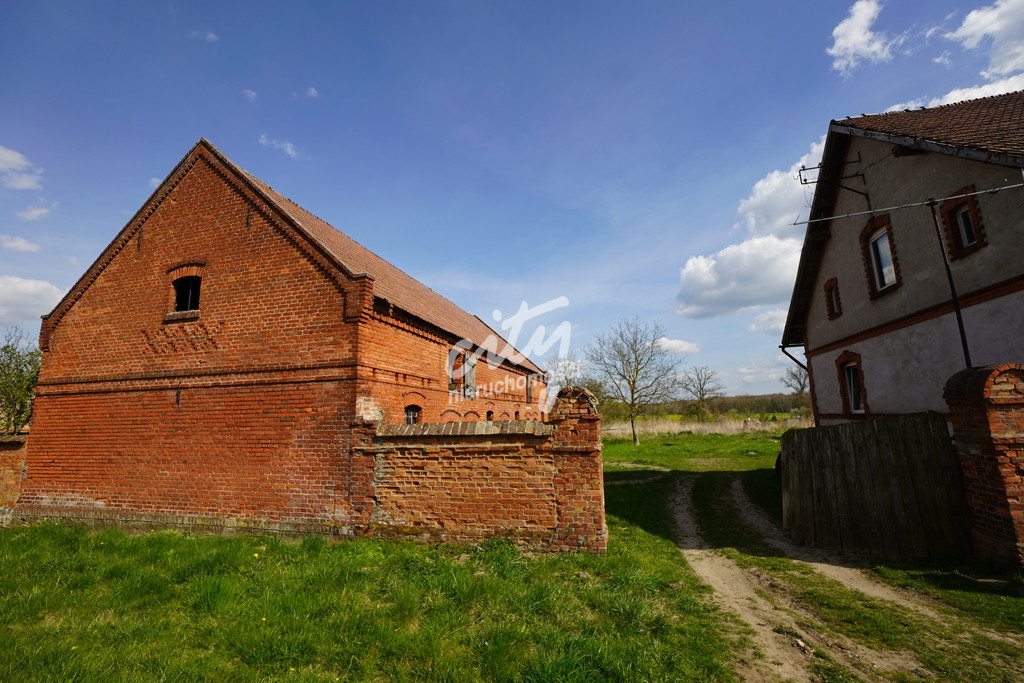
x,y
888,487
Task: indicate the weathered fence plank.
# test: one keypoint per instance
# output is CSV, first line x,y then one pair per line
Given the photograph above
x,y
888,487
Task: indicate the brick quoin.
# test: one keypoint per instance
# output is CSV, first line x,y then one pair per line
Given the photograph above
x,y
260,407
986,409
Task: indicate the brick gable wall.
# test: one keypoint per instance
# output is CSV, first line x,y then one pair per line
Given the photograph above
x,y
238,414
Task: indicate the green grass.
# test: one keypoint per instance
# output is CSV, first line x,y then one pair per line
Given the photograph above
x,y
957,648
995,602
952,650
696,453
106,606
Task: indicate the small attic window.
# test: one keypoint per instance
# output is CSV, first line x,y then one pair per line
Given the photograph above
x,y
186,293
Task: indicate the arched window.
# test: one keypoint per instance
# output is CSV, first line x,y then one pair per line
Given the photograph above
x,y
412,414
851,383
186,293
186,283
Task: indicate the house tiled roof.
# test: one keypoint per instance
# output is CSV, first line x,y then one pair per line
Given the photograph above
x,y
992,124
990,129
389,282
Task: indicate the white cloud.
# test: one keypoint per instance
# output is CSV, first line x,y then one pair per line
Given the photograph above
x,y
854,41
759,370
17,244
208,36
771,322
943,59
22,301
1003,22
155,182
312,92
678,346
286,147
249,94
776,200
35,213
1000,87
17,172
758,272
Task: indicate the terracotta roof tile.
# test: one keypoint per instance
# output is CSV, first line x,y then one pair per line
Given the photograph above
x,y
992,124
389,282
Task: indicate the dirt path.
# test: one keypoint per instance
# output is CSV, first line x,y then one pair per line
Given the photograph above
x,y
737,594
783,643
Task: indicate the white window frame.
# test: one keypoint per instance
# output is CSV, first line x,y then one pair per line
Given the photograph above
x,y
877,267
851,375
965,224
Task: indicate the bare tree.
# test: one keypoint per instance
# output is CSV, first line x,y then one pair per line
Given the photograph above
x,y
701,384
634,367
796,379
567,371
19,371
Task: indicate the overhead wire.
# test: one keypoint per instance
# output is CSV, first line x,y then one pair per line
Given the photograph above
x,y
927,202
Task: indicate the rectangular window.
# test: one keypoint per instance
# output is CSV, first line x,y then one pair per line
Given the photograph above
x,y
833,306
881,260
963,223
470,376
965,227
853,388
881,265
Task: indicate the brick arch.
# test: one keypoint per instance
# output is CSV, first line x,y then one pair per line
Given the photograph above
x,y
450,415
193,268
413,397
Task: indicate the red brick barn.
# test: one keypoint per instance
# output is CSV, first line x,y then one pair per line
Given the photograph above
x,y
229,357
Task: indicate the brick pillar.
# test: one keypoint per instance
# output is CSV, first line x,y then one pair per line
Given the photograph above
x,y
575,447
986,408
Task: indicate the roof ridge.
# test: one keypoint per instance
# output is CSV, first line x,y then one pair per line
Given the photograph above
x,y
946,105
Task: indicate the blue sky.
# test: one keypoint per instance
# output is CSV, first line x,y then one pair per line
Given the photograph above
x,y
637,159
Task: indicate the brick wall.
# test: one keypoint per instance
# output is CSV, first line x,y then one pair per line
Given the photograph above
x,y
402,362
538,483
986,409
281,457
12,469
269,452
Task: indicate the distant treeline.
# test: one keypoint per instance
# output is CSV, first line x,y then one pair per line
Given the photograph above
x,y
739,406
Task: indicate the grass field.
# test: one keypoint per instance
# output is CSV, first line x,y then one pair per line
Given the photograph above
x,y
79,606
106,606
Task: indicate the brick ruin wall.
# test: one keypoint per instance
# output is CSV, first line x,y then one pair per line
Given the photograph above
x,y
538,483
986,409
12,469
240,458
